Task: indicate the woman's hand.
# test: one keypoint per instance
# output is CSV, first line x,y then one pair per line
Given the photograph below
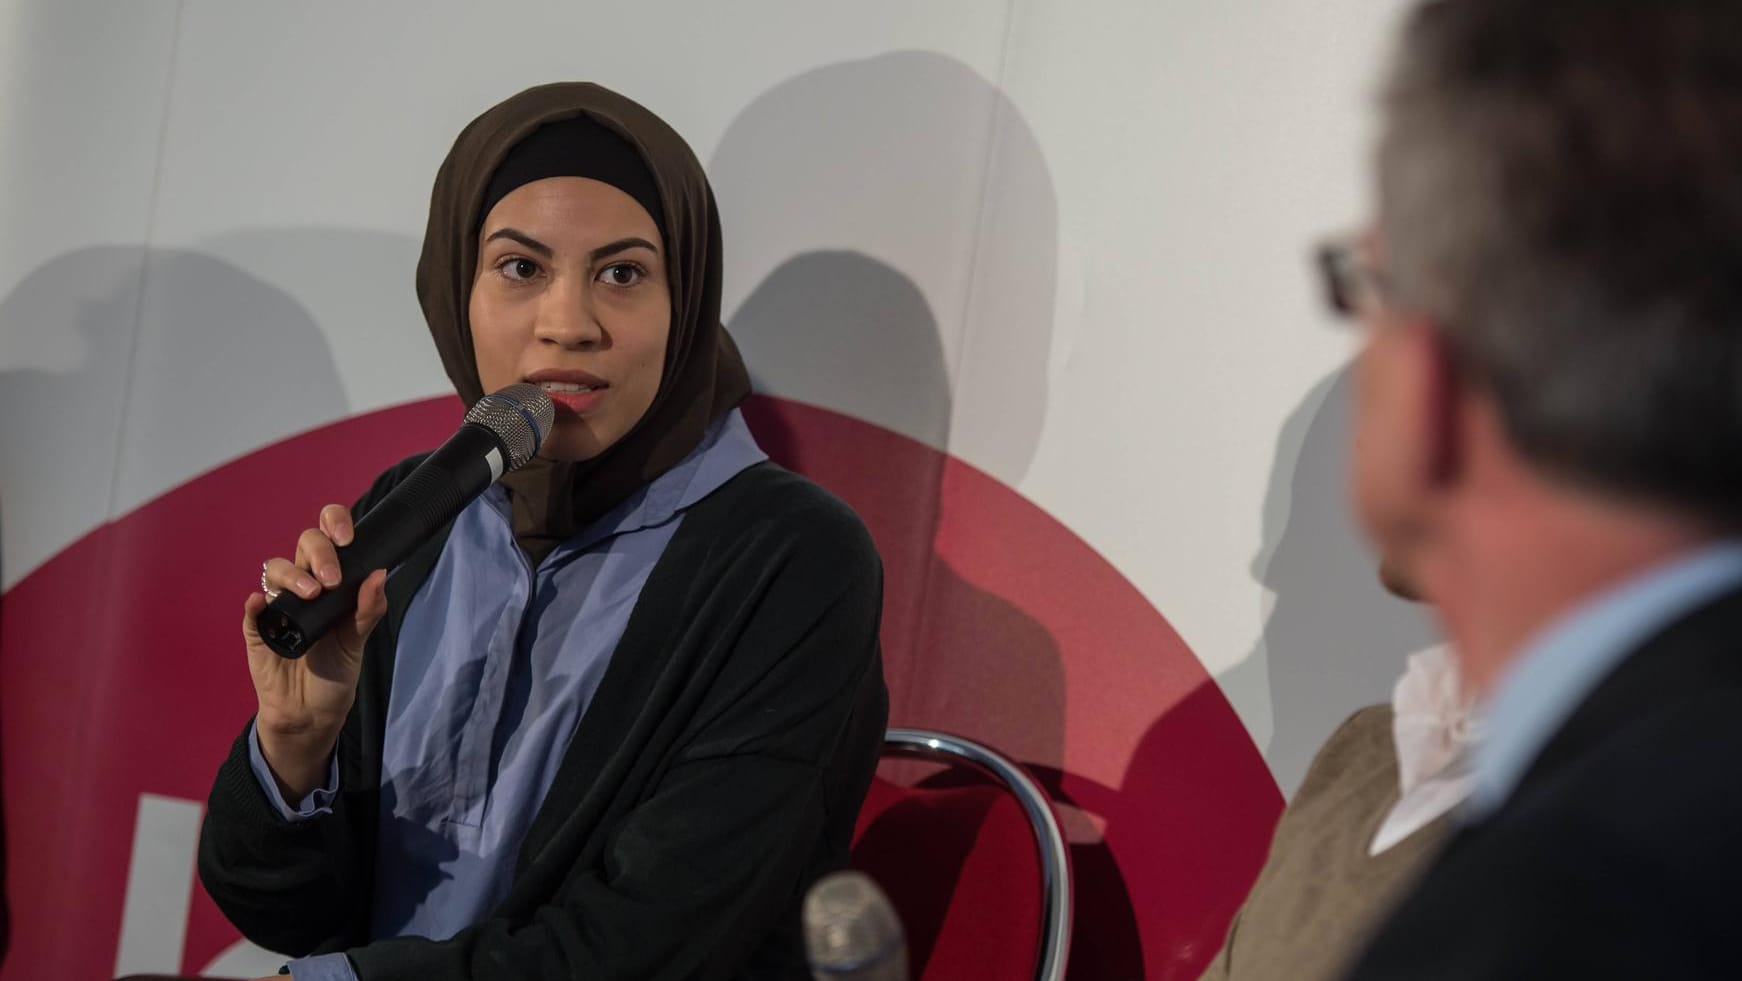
x,y
304,701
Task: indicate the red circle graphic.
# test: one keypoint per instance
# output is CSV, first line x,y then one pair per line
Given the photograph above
x,y
121,674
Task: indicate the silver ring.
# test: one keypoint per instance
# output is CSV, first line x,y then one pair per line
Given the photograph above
x,y
271,594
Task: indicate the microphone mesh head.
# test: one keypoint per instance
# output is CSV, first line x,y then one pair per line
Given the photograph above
x,y
520,415
850,930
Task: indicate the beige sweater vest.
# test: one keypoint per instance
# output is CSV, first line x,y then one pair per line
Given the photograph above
x,y
1320,894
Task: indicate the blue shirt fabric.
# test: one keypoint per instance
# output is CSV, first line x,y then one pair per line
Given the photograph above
x,y
1566,662
495,664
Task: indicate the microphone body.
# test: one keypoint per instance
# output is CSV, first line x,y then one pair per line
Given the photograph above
x,y
501,432
851,932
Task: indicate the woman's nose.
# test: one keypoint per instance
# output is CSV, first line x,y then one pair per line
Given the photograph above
x,y
566,317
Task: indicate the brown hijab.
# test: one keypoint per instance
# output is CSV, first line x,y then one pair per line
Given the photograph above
x,y
704,376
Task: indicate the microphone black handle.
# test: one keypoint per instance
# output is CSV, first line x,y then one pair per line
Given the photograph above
x,y
428,498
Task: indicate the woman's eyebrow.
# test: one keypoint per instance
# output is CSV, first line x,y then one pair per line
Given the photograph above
x,y
516,235
631,242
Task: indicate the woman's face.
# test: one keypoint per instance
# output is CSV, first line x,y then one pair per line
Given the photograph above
x,y
571,294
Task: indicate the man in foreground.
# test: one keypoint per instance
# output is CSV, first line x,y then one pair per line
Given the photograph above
x,y
1550,416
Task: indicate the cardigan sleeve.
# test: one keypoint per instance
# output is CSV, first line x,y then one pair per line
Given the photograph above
x,y
714,856
289,885
293,886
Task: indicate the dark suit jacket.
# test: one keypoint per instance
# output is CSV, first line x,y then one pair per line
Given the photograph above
x,y
1620,853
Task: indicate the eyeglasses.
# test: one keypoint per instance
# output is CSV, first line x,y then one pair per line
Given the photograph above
x,y
1353,284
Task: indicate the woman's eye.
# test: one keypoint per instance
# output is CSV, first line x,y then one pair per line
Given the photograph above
x,y
621,274
518,269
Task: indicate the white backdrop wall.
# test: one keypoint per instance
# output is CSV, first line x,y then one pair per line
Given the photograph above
x,y
210,211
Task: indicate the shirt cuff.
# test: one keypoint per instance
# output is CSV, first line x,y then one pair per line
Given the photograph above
x,y
318,802
326,967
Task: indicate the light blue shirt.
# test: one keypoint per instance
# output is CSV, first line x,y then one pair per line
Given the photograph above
x,y
1566,662
495,665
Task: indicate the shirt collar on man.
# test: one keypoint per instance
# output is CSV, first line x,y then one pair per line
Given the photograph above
x,y
1566,661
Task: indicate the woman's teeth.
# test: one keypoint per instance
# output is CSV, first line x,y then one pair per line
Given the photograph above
x,y
563,387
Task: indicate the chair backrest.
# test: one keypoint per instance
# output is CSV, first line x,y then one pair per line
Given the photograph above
x,y
971,817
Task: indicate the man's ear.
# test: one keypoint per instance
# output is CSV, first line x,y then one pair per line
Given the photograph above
x,y
1443,392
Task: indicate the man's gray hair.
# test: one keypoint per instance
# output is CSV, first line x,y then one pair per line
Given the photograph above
x,y
1560,187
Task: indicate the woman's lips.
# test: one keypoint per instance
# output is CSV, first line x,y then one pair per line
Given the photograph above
x,y
572,392
575,401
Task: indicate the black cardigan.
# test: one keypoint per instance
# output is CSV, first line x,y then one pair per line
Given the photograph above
x,y
716,773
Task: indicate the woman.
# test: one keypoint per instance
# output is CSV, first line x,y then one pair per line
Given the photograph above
x,y
617,718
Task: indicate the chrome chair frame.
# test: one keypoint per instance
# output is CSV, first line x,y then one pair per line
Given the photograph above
x,y
1055,856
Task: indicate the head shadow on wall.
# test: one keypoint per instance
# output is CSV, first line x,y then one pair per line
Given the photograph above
x,y
1333,640
127,370
123,367
891,251
872,235
129,373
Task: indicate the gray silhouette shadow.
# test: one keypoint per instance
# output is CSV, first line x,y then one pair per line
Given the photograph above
x,y
136,368
804,317
968,659
1334,640
186,362
959,183
858,330
358,285
852,199
864,323
915,160
843,328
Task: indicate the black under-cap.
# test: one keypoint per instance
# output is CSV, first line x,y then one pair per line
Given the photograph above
x,y
576,147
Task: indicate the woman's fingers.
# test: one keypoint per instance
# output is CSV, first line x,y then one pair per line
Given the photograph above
x,y
336,524
315,552
251,610
371,607
282,574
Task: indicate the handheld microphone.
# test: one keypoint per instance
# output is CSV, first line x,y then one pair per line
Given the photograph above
x,y
501,433
851,933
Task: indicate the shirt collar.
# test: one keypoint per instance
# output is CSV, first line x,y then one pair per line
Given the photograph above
x,y
726,450
1566,661
1433,727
